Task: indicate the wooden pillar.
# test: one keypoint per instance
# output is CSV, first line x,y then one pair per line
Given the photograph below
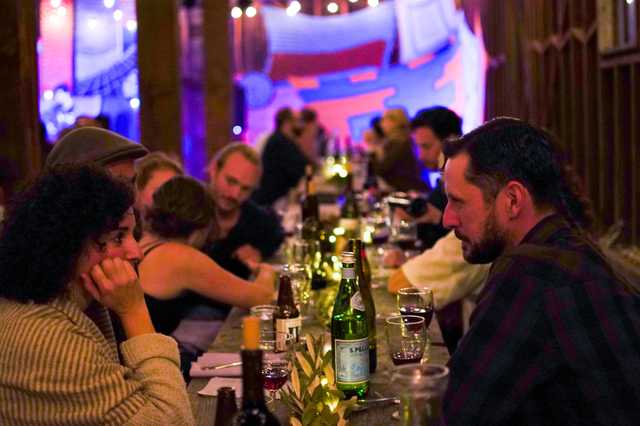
x,y
159,75
19,122
217,73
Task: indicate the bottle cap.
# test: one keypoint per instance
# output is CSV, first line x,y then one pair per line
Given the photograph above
x,y
251,333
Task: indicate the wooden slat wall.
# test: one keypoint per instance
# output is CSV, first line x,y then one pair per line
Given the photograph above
x,y
546,67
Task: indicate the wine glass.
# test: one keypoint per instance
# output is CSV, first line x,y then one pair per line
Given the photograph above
x,y
404,234
300,275
406,338
276,363
416,301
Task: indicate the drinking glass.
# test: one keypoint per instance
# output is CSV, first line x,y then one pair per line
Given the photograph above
x,y
265,314
416,301
276,363
420,388
406,338
299,251
404,234
300,276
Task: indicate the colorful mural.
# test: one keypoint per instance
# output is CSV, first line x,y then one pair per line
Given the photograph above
x,y
342,65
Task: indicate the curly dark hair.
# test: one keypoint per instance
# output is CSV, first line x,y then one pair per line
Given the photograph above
x,y
506,149
50,224
180,206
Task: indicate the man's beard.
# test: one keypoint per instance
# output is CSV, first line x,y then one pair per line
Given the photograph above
x,y
490,246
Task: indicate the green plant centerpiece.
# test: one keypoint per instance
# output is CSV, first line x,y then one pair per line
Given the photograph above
x,y
311,395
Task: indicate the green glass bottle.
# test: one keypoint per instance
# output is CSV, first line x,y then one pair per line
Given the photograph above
x,y
350,334
363,270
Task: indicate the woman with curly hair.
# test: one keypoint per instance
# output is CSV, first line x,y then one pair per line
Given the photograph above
x,y
66,249
175,275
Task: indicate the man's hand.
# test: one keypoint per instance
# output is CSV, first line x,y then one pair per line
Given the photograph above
x,y
248,255
114,283
397,280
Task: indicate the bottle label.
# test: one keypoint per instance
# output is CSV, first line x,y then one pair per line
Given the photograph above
x,y
352,361
356,302
348,273
290,326
349,224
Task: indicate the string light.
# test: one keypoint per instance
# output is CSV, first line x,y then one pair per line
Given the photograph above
x,y
373,3
251,12
56,3
117,14
332,7
132,25
236,12
109,3
293,8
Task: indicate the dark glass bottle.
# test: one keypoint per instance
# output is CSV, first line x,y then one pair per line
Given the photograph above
x,y
309,205
350,212
286,317
371,180
225,406
254,410
363,270
322,268
350,334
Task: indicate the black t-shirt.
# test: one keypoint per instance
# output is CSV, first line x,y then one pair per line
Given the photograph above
x,y
283,165
257,227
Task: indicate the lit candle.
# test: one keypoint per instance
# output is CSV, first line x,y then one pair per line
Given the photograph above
x,y
251,333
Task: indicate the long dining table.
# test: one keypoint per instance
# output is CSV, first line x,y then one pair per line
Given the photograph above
x,y
229,339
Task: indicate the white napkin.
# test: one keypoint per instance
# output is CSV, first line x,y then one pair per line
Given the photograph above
x,y
211,389
216,358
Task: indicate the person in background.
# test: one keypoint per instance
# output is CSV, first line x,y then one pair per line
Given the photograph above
x,y
177,277
554,338
373,137
395,161
313,137
283,160
152,171
93,145
247,233
68,243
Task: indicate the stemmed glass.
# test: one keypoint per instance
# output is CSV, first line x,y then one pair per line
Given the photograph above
x,y
276,363
416,301
404,234
406,338
300,276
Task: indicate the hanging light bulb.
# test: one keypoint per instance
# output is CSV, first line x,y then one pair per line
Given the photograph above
x,y
251,12
236,12
332,7
293,8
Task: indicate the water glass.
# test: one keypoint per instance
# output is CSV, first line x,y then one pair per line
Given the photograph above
x,y
420,388
265,314
406,338
416,301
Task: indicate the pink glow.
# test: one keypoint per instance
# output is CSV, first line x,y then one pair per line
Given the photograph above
x,y
55,62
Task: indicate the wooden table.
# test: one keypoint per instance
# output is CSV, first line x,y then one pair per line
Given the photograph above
x,y
230,337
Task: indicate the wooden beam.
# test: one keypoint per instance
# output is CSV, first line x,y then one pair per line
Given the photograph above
x,y
19,121
159,75
217,73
